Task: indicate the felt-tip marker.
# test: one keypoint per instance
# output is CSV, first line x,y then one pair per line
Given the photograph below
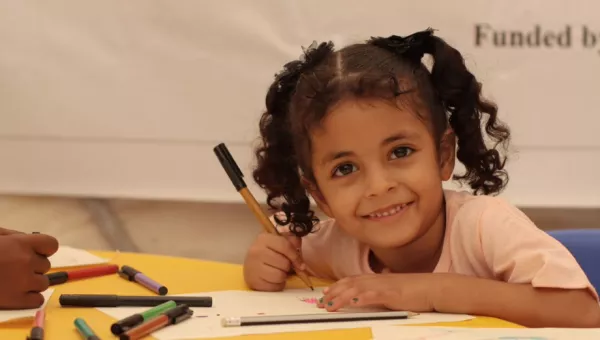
x,y
78,274
171,317
93,300
86,331
131,274
37,331
131,321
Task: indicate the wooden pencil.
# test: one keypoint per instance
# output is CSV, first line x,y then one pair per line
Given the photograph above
x,y
236,177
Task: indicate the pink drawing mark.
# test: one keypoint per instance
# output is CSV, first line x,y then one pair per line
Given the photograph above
x,y
312,301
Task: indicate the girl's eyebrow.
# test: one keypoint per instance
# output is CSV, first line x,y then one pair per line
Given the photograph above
x,y
398,137
335,155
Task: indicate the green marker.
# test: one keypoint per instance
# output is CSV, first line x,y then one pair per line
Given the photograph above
x,y
123,325
86,332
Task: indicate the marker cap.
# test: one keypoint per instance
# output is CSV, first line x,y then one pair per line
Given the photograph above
x,y
57,278
128,272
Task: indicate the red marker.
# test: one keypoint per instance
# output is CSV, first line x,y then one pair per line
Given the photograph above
x,y
37,331
62,277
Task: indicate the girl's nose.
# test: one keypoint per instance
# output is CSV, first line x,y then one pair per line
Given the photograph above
x,y
380,182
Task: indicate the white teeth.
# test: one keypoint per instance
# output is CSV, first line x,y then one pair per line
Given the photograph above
x,y
390,212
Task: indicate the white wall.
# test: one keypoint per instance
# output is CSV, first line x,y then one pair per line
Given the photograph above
x,y
126,99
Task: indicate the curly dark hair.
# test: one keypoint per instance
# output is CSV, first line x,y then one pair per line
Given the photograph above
x,y
389,68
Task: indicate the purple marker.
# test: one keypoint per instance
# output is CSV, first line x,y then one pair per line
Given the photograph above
x,y
131,274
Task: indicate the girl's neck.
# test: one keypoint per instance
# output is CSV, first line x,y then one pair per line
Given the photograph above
x,y
421,256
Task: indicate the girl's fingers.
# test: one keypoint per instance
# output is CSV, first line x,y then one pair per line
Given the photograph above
x,y
282,246
338,288
344,299
272,274
367,298
277,260
332,292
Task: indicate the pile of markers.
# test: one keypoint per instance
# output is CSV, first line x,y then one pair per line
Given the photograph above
x,y
165,311
126,272
140,325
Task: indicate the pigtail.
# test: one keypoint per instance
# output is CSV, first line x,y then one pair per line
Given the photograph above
x,y
277,170
460,93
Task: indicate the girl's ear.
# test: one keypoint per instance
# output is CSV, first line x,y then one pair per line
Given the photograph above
x,y
447,154
316,194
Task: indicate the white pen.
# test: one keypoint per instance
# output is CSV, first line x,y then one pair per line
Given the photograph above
x,y
312,318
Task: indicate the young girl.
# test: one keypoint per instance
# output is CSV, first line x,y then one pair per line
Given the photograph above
x,y
370,133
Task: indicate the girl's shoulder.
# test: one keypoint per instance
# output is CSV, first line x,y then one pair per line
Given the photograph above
x,y
465,208
490,238
473,221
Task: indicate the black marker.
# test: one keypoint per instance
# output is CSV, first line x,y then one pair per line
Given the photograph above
x,y
89,300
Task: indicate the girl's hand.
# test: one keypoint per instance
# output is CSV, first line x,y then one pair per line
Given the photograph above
x,y
402,292
270,260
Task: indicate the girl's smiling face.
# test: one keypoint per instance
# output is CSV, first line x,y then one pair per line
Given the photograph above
x,y
379,171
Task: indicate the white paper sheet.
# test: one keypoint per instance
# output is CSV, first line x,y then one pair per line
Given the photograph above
x,y
206,322
445,333
73,257
13,315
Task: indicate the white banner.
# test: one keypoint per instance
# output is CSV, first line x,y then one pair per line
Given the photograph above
x,y
127,98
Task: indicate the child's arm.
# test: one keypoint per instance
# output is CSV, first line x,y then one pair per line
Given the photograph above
x,y
536,281
518,303
502,266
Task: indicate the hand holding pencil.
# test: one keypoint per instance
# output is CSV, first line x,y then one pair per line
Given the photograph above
x,y
272,256
269,262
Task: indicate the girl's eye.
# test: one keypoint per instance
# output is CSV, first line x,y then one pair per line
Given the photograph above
x,y
344,170
401,152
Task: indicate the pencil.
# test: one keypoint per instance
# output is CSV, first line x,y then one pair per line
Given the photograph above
x,y
312,318
236,177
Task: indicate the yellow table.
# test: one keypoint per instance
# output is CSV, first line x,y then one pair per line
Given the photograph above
x,y
181,276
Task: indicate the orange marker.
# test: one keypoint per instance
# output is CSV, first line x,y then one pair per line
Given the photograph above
x,y
171,317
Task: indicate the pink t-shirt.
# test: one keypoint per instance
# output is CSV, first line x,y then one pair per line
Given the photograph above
x,y
485,237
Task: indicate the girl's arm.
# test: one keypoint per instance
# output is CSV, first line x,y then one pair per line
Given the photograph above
x,y
502,266
518,303
536,281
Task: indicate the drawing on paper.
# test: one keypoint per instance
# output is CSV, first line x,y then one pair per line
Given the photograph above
x,y
312,300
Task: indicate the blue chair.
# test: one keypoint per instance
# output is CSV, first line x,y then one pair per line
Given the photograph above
x,y
584,244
